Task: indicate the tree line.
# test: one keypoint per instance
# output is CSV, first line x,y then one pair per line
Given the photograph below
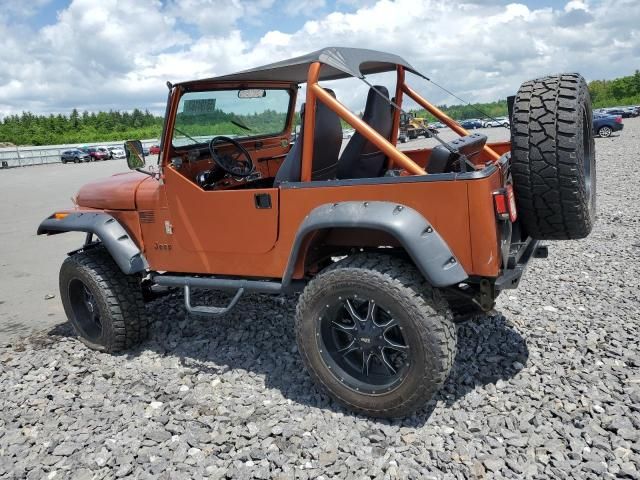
x,y
219,122
604,93
85,127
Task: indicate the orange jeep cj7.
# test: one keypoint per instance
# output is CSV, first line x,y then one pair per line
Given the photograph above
x,y
387,248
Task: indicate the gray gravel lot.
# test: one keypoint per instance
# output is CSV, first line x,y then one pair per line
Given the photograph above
x,y
548,387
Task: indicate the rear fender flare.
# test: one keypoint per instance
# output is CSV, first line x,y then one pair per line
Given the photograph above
x,y
111,233
425,246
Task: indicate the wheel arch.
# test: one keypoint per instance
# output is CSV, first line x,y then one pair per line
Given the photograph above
x,y
412,232
112,234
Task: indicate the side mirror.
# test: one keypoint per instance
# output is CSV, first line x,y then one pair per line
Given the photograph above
x,y
135,154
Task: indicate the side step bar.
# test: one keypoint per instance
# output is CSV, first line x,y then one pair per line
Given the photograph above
x,y
224,284
209,311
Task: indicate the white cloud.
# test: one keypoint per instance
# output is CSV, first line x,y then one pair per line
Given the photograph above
x,y
576,5
307,8
101,54
216,15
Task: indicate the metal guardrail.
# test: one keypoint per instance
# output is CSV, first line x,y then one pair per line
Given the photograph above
x,y
28,156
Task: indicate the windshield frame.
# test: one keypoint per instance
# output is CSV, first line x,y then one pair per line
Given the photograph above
x,y
230,86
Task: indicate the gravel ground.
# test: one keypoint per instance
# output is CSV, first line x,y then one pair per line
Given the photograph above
x,y
549,386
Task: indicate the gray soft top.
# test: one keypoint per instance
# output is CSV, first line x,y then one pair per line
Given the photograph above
x,y
339,62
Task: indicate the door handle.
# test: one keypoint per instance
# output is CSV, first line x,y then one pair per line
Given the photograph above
x,y
263,200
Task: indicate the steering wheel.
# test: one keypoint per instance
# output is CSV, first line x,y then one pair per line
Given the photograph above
x,y
238,163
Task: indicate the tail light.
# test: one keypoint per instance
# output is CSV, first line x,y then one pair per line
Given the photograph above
x,y
505,203
618,119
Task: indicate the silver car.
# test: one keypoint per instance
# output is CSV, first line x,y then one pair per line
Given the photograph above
x,y
117,152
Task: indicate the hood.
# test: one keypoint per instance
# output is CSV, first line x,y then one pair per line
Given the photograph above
x,y
117,192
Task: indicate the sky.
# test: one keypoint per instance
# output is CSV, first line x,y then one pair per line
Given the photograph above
x,y
96,55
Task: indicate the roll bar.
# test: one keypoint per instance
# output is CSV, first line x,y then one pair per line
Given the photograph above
x,y
396,157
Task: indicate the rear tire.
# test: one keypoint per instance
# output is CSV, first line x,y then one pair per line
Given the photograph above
x,y
402,342
105,306
605,132
553,157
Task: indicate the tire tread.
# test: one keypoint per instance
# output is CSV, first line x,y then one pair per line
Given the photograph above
x,y
404,281
120,293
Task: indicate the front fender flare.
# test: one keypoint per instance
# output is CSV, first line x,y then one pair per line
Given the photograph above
x,y
425,246
111,233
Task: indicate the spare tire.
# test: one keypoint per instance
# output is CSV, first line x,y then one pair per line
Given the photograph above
x,y
553,157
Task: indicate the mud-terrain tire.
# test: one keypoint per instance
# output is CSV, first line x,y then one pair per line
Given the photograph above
x,y
105,306
410,314
553,157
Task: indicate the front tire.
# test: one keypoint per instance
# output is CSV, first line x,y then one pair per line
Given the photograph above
x,y
105,306
375,335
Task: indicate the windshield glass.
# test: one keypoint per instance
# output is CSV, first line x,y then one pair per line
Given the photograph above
x,y
231,113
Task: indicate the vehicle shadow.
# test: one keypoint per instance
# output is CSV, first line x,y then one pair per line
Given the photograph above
x,y
257,336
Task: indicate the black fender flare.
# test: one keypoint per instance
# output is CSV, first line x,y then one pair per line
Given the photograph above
x,y
425,246
111,233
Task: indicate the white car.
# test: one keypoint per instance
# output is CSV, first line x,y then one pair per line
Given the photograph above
x,y
498,122
117,152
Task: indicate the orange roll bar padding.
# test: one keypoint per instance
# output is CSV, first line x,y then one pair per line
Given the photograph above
x,y
396,111
443,117
309,123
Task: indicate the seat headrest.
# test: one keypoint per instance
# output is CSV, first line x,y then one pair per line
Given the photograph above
x,y
375,102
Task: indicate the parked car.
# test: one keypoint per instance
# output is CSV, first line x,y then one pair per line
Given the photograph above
x,y
75,155
145,150
437,125
604,125
154,150
634,111
471,124
105,151
117,152
624,113
94,153
498,122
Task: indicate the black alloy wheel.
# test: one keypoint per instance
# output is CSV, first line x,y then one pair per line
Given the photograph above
x,y
85,310
363,344
374,334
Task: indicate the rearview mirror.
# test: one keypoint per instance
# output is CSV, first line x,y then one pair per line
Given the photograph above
x,y
135,154
252,93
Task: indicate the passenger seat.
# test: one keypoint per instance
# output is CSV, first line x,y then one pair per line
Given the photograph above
x,y
361,158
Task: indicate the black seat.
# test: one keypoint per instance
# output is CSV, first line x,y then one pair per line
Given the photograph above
x,y
327,140
361,158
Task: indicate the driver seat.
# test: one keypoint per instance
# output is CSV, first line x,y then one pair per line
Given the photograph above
x,y
327,140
